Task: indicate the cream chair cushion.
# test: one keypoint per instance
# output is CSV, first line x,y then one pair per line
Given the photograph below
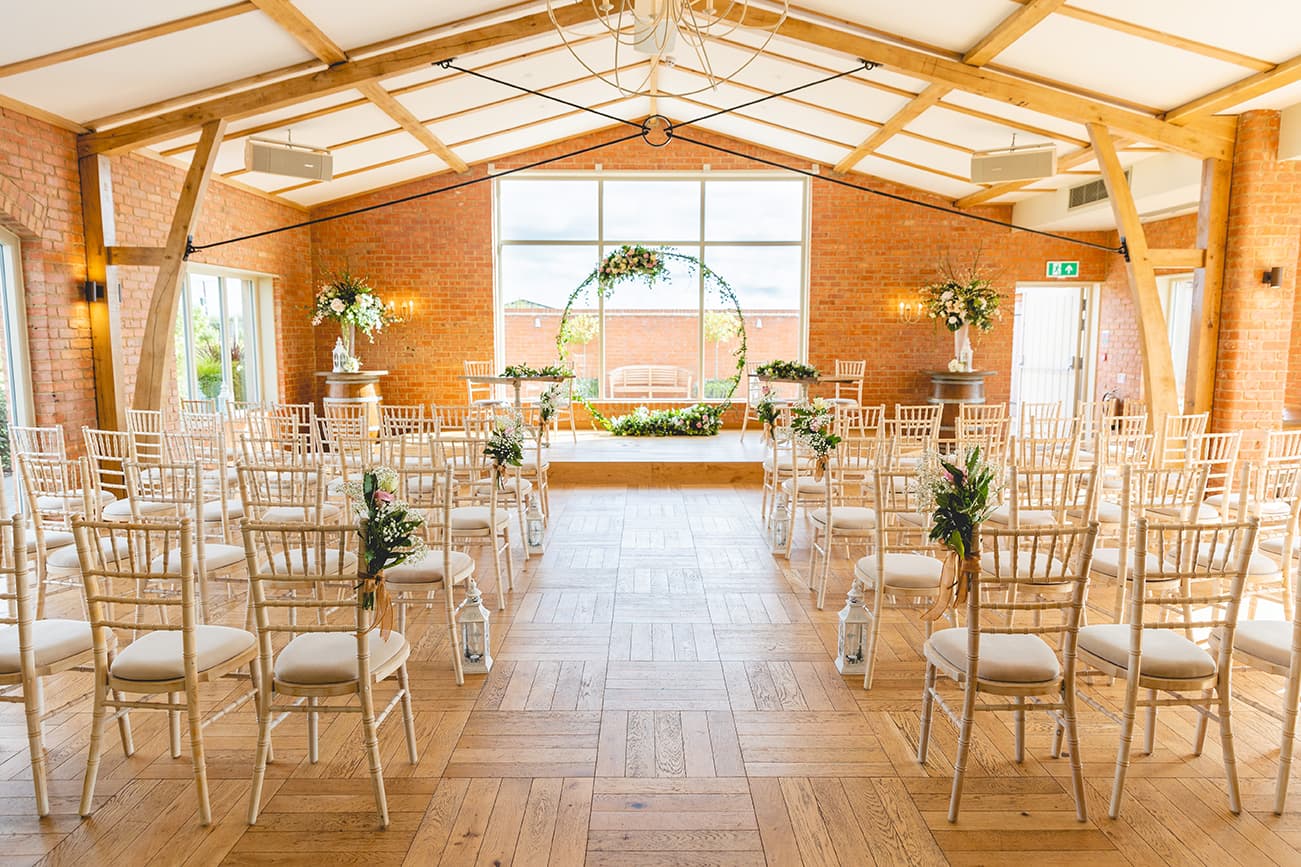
x,y
297,561
1025,517
1257,564
71,501
331,657
158,655
66,557
1003,658
1041,567
1270,640
902,570
429,569
297,514
1108,513
1165,653
1106,561
215,556
846,517
483,488
1272,545
54,539
234,509
476,518
1205,512
52,640
809,487
120,510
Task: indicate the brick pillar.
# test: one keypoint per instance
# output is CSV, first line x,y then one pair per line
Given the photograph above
x,y
1255,320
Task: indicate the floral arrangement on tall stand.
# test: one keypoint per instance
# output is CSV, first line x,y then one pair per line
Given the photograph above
x,y
957,495
814,425
961,300
350,301
389,533
504,446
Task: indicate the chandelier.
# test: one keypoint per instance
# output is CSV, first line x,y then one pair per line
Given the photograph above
x,y
672,33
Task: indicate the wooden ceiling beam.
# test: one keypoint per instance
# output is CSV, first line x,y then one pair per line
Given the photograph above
x,y
1285,73
344,76
304,31
1177,259
385,102
108,43
1008,31
1203,137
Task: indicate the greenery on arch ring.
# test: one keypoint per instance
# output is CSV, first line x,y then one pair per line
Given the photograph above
x,y
635,262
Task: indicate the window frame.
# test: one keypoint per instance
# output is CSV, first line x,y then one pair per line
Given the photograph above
x,y
697,247
13,307
259,336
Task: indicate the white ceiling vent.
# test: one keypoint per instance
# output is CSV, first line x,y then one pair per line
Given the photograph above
x,y
1088,193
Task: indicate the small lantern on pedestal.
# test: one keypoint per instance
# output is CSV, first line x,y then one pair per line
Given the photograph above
x,y
533,522
476,639
851,633
781,521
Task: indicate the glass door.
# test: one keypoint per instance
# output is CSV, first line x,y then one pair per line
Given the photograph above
x,y
1047,346
16,390
216,339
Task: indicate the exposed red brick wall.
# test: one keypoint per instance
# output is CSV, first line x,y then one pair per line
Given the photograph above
x,y
40,201
1255,320
867,254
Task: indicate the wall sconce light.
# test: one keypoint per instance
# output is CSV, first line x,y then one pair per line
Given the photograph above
x,y
1273,278
537,321
94,291
758,323
408,309
910,313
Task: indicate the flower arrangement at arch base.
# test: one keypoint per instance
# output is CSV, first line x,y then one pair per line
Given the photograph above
x,y
697,420
389,531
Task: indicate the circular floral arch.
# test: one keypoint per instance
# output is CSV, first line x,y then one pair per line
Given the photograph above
x,y
635,262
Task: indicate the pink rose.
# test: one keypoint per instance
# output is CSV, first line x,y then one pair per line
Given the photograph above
x,y
383,497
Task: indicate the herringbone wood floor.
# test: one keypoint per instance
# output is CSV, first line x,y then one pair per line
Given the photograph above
x,y
663,694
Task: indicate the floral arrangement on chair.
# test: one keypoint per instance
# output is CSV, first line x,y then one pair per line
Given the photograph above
x,y
814,426
630,260
389,532
787,370
350,301
766,408
956,494
697,420
505,444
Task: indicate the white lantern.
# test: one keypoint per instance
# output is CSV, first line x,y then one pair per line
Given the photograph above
x,y
340,355
851,633
476,638
781,521
533,523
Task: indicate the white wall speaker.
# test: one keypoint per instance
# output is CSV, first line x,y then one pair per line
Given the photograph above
x,y
1020,164
283,158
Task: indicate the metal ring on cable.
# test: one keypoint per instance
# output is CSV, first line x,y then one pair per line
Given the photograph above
x,y
657,125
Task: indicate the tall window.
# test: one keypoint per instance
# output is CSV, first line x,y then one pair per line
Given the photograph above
x,y
16,389
217,345
749,229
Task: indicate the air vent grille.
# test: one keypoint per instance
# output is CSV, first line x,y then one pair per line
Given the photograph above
x,y
1087,194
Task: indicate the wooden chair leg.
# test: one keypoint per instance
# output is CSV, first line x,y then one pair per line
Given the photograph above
x,y
825,571
98,714
174,725
928,704
869,664
1199,737
1018,718
408,715
1290,698
964,745
371,734
1149,735
1126,740
510,557
196,753
1073,742
263,701
313,731
496,568
1226,745
452,638
36,747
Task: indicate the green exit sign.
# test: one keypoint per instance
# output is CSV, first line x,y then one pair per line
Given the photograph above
x,y
1063,269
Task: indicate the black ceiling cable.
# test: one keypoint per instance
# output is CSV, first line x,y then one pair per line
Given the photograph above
x,y
664,130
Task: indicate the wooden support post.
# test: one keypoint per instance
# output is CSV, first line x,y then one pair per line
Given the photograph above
x,y
1154,340
105,315
1208,281
158,346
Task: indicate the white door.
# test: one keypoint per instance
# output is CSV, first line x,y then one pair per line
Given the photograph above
x,y
1048,335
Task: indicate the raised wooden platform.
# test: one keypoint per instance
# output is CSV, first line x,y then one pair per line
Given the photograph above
x,y
598,458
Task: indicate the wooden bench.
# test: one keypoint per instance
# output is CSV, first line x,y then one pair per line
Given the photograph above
x,y
650,380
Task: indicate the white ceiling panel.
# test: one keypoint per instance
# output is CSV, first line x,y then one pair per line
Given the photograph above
x,y
364,181
479,123
351,24
1278,99
973,132
1082,54
930,155
522,140
953,24
158,68
1267,29
48,27
294,110
800,148
951,189
1018,114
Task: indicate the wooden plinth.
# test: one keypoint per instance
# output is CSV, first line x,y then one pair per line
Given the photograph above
x,y
361,387
954,389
